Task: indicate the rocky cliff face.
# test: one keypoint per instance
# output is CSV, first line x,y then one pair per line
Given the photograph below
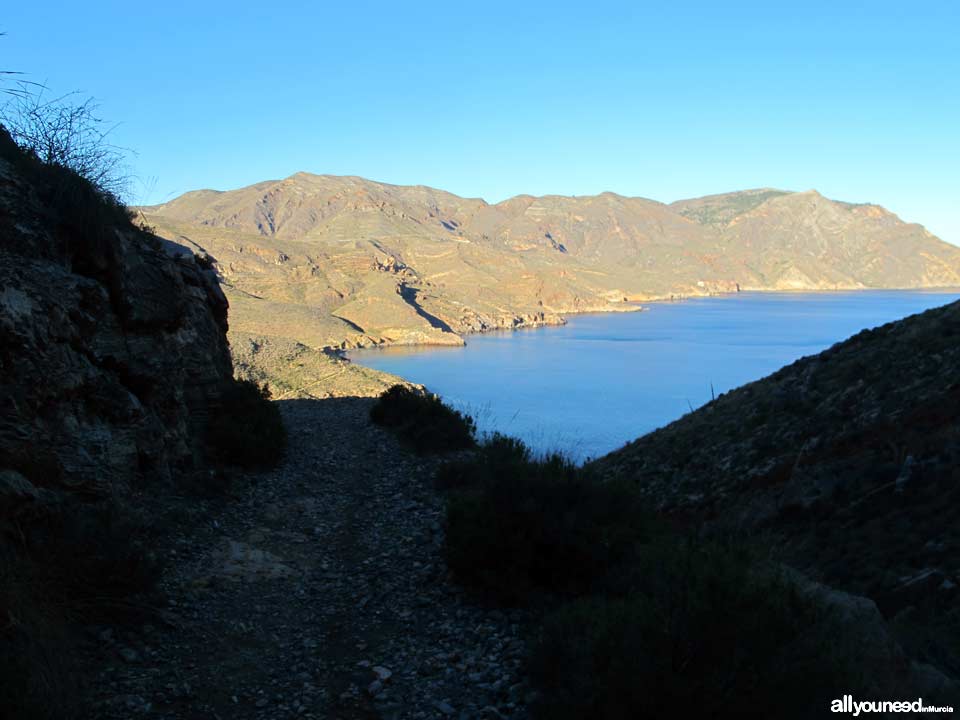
x,y
112,352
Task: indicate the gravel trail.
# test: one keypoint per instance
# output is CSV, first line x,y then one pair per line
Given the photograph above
x,y
320,591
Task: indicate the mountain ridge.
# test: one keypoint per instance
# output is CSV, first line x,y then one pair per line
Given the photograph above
x,y
766,191
684,207
339,262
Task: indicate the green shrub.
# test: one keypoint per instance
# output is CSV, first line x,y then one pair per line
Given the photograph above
x,y
499,453
248,429
519,526
423,421
700,634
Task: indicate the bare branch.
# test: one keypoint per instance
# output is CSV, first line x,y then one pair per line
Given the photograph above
x,y
67,131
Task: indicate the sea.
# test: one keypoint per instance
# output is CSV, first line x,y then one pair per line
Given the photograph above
x,y
588,387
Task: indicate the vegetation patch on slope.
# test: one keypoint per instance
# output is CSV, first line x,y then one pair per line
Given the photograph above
x,y
702,631
247,429
296,371
519,526
423,421
637,619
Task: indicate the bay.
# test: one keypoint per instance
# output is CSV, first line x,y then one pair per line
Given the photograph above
x,y
599,381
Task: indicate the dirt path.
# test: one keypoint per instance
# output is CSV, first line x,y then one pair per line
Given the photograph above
x,y
320,592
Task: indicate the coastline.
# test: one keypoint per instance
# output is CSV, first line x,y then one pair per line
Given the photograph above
x,y
294,369
603,381
635,305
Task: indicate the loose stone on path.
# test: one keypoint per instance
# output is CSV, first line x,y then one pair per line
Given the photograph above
x,y
319,592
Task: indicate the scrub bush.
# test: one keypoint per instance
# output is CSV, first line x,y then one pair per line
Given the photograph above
x,y
423,421
248,429
702,633
519,526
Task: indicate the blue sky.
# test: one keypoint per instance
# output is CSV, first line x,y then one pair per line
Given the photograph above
x,y
860,100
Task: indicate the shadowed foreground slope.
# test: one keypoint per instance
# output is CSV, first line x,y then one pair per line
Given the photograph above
x,y
846,461
113,358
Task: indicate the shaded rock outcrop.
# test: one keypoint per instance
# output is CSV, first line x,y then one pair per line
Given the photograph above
x,y
112,352
855,627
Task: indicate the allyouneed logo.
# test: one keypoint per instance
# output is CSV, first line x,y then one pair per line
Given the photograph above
x,y
847,704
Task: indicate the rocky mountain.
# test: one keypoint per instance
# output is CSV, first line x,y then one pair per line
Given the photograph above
x,y
844,463
343,262
112,351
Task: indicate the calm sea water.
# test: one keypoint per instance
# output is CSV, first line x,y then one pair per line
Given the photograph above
x,y
601,380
